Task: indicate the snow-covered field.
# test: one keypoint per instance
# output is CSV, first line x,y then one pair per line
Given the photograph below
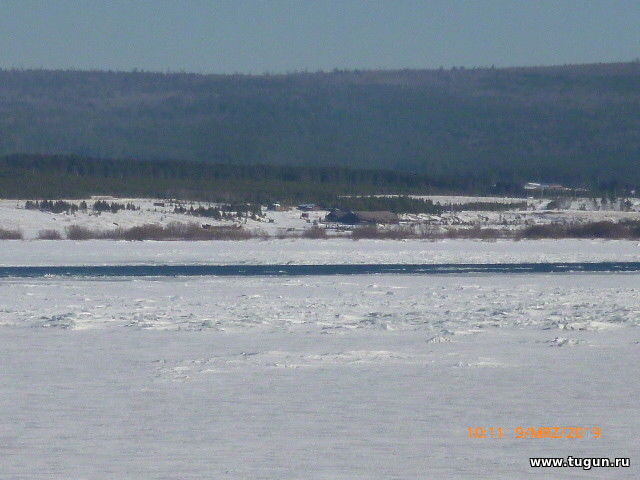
x,y
359,377
14,216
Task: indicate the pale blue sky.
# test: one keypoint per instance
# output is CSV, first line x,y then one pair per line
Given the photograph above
x,y
254,36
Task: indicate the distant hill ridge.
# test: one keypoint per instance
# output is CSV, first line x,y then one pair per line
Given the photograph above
x,y
569,124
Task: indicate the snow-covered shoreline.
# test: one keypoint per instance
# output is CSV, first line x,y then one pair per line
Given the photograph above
x,y
31,223
312,252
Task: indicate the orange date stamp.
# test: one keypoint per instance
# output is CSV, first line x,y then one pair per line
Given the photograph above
x,y
520,433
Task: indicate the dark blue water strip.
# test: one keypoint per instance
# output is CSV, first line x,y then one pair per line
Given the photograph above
x,y
293,270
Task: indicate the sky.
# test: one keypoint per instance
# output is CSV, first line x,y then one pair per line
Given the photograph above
x,y
277,36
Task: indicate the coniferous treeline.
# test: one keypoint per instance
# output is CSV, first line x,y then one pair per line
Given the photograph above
x,y
59,176
484,206
62,206
74,165
392,204
113,207
59,206
223,212
405,204
70,176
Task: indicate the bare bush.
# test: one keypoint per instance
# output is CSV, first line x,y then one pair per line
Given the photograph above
x,y
76,232
475,233
49,235
599,230
315,232
6,234
171,231
605,229
193,231
373,232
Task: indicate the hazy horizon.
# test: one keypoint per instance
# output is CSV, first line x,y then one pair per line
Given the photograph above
x,y
255,37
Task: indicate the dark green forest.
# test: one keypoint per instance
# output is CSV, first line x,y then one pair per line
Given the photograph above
x,y
68,176
577,125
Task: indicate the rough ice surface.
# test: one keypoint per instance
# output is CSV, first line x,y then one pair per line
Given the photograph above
x,y
355,377
429,304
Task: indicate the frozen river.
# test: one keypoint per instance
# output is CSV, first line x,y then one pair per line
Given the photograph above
x,y
315,377
244,270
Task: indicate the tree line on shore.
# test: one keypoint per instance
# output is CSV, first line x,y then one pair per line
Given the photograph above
x,y
62,206
70,176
